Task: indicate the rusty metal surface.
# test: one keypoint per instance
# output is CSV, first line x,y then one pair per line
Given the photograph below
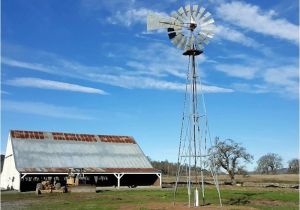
x,y
89,170
27,134
48,154
38,135
117,139
130,170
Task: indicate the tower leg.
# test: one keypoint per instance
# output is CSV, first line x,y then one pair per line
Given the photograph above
x,y
191,151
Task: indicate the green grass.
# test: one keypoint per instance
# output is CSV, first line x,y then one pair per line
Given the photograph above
x,y
252,197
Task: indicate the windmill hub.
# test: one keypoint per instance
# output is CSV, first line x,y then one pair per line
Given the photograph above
x,y
193,24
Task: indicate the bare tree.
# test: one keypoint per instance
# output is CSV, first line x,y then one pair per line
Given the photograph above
x,y
294,166
228,155
269,163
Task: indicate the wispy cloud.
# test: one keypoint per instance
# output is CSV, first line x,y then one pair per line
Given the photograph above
x,y
239,71
96,5
253,18
251,88
157,66
26,65
215,89
3,92
284,78
233,35
131,16
160,59
151,83
44,109
52,85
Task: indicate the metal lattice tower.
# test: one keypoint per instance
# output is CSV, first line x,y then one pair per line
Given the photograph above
x,y
189,29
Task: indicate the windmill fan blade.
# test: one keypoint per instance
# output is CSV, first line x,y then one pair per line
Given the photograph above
x,y
208,27
177,27
177,39
208,31
199,43
207,22
181,11
155,22
195,10
182,14
200,46
177,16
190,43
204,18
203,38
207,35
182,43
187,10
200,13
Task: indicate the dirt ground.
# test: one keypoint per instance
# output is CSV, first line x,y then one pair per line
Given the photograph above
x,y
169,206
249,197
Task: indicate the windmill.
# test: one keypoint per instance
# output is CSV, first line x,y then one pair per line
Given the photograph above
x,y
189,29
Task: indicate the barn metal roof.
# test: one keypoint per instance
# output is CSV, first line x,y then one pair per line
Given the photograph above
x,y
89,170
53,152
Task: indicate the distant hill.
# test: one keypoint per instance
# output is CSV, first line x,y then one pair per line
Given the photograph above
x,y
283,171
279,171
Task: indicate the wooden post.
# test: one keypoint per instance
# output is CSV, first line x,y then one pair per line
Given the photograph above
x,y
160,180
119,176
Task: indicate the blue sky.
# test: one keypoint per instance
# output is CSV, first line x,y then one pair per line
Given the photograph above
x,y
90,66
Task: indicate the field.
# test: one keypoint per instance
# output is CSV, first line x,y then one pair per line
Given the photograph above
x,y
146,199
277,178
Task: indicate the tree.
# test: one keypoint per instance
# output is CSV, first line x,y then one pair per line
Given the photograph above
x,y
294,166
269,163
228,155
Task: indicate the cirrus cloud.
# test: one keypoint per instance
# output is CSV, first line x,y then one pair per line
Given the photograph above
x,y
251,17
45,109
52,85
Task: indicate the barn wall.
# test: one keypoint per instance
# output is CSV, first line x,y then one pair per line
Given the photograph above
x,y
10,177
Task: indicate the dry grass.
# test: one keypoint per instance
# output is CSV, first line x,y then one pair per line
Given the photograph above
x,y
257,178
233,197
242,198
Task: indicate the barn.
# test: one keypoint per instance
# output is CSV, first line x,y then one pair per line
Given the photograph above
x,y
104,160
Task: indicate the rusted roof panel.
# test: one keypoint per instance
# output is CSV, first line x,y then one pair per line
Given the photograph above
x,y
27,134
89,170
51,152
130,170
38,135
117,139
